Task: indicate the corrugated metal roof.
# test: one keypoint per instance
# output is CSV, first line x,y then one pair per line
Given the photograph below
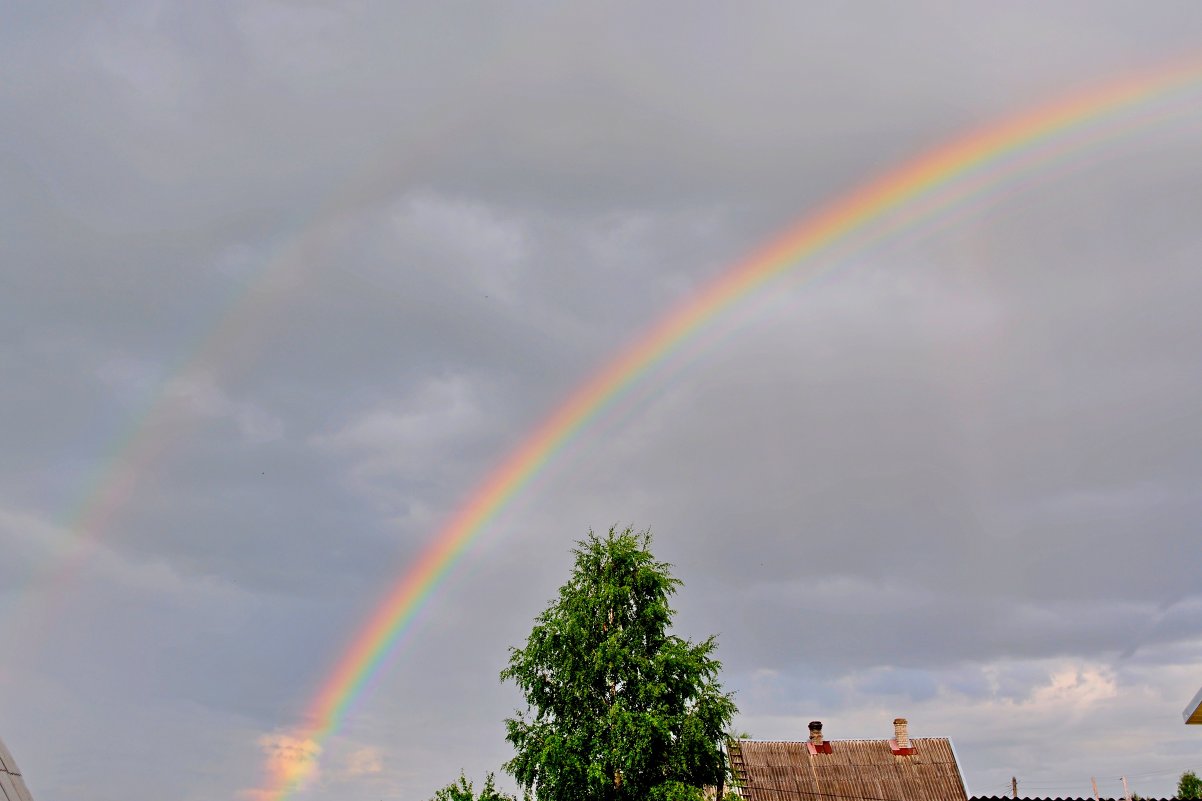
x,y
12,785
855,770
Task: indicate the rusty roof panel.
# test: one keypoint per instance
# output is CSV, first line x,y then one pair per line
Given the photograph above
x,y
855,770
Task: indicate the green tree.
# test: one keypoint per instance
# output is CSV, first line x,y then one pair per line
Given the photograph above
x,y
618,708
1189,785
461,790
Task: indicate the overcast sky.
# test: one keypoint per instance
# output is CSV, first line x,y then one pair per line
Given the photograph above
x,y
281,283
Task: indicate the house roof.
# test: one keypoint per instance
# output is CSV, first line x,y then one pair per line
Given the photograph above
x,y
1193,712
12,786
854,770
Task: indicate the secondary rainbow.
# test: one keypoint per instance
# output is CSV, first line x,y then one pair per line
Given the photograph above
x,y
830,226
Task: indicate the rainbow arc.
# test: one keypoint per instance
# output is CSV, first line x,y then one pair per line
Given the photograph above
x,y
967,166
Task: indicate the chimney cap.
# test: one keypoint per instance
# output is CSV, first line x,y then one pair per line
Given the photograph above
x,y
896,721
815,725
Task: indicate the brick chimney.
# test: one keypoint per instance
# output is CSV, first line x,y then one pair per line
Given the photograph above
x,y
900,745
817,745
901,732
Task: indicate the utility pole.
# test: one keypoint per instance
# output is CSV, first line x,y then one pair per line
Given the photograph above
x,y
1126,789
1014,787
1094,782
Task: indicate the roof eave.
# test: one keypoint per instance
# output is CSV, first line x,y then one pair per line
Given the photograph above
x,y
1193,711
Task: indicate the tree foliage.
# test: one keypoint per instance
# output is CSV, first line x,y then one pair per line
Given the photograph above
x,y
1189,786
619,708
462,790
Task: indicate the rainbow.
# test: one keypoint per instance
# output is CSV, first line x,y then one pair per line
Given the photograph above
x,y
914,187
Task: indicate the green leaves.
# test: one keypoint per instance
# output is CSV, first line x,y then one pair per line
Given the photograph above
x,y
1189,786
461,790
619,708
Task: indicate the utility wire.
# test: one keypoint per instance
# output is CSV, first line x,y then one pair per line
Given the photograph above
x,y
1159,772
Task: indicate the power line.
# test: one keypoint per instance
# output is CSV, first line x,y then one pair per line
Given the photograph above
x,y
1159,772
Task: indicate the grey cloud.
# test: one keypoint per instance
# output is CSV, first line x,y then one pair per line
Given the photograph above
x,y
361,252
